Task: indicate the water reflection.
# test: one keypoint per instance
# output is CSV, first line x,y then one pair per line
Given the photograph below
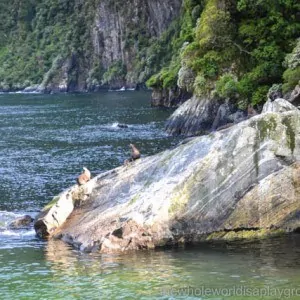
x,y
41,153
273,264
57,271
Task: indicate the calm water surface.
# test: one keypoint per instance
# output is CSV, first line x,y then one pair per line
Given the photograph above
x,y
44,142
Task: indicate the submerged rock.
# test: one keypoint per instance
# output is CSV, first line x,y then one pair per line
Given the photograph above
x,y
246,177
21,222
120,125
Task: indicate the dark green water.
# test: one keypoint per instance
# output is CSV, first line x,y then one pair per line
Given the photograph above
x,y
44,142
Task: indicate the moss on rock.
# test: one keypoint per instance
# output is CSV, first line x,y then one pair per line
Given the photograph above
x,y
266,127
51,203
243,234
290,132
179,201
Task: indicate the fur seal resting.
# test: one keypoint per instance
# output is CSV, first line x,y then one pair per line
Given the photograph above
x,y
84,177
135,153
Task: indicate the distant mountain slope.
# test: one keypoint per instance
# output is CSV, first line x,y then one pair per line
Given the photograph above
x,y
77,45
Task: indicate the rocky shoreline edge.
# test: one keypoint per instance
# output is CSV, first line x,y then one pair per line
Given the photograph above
x,y
238,183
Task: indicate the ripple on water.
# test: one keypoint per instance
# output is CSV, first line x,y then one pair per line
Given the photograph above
x,y
45,140
52,137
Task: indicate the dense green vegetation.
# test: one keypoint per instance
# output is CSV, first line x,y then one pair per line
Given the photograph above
x,y
42,41
237,49
216,48
167,50
37,34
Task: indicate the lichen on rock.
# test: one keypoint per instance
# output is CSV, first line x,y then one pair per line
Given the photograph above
x,y
240,182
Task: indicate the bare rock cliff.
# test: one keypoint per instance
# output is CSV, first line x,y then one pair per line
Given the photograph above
x,y
119,37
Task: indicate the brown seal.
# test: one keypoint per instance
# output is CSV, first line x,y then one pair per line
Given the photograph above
x,y
135,153
84,177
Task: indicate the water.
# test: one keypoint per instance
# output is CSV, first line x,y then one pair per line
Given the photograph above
x,y
45,140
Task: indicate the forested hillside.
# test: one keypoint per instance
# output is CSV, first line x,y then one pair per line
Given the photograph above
x,y
78,45
233,49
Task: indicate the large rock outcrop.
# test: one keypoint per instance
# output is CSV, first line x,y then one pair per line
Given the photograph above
x,y
294,95
168,97
246,177
199,115
193,117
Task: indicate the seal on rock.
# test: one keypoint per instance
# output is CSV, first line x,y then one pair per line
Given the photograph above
x,y
84,177
135,153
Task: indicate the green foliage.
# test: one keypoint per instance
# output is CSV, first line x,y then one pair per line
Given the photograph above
x,y
166,78
189,54
248,39
242,104
252,40
154,81
226,86
291,79
291,76
260,95
56,65
95,75
200,86
208,64
37,32
267,30
170,77
245,87
116,72
292,60
166,52
214,31
212,49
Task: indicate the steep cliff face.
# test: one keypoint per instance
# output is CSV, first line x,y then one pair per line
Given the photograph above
x,y
123,30
239,181
78,45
